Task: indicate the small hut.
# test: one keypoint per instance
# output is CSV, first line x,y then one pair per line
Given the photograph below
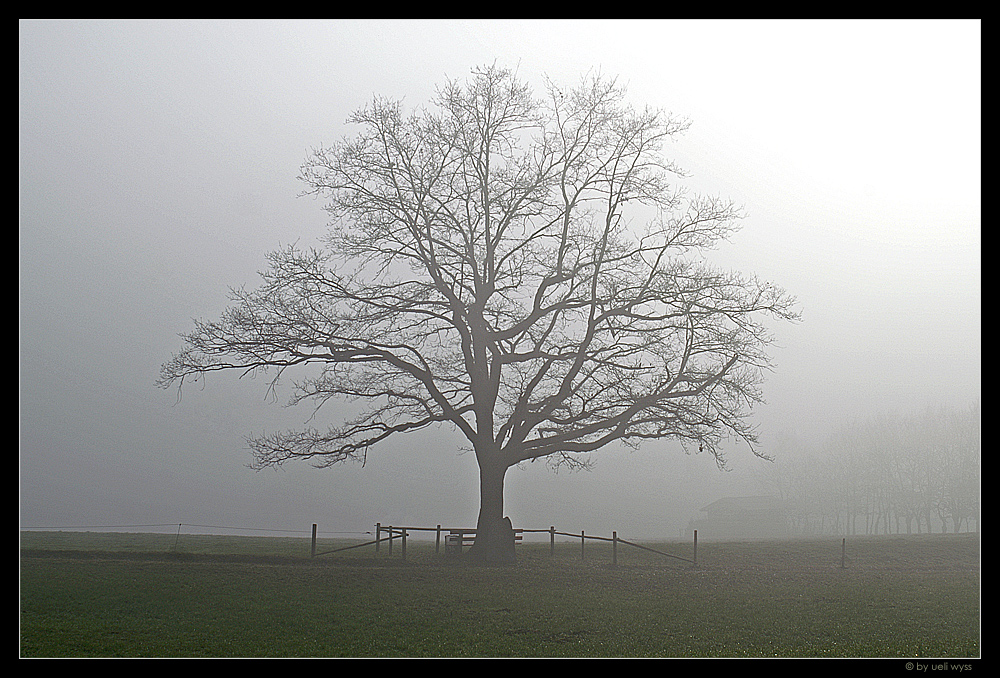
x,y
737,518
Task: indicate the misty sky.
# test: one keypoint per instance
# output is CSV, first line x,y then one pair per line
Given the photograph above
x,y
158,164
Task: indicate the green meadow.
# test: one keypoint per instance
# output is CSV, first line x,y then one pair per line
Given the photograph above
x,y
117,595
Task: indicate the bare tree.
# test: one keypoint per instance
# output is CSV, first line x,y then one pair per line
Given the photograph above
x,y
519,268
895,472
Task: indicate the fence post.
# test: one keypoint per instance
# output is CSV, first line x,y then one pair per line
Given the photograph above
x,y
378,536
391,535
437,541
403,551
614,549
313,555
696,547
843,553
552,540
583,540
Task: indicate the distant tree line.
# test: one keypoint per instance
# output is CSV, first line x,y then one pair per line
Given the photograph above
x,y
888,475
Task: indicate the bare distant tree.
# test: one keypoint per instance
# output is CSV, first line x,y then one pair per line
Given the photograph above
x,y
887,474
519,268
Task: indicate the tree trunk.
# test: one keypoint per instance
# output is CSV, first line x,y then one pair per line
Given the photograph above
x,y
494,533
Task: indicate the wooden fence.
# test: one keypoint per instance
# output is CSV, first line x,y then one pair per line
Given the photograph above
x,y
455,538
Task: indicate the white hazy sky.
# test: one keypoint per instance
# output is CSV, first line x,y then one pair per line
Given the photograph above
x,y
158,163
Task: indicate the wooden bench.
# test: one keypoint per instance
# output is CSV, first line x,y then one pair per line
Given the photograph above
x,y
469,536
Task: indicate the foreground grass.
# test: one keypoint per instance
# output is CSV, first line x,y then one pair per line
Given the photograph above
x,y
919,598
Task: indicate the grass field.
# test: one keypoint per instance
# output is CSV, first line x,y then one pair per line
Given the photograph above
x,y
107,595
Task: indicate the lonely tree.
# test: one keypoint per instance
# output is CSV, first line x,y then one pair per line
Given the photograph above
x,y
519,267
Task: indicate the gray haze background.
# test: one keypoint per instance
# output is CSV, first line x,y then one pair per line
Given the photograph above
x,y
158,163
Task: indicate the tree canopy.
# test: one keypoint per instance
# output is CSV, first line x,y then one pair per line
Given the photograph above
x,y
522,268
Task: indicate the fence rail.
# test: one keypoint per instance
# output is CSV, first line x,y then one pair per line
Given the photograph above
x,y
457,537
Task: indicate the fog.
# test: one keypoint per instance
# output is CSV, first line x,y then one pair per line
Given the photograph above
x,y
158,164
